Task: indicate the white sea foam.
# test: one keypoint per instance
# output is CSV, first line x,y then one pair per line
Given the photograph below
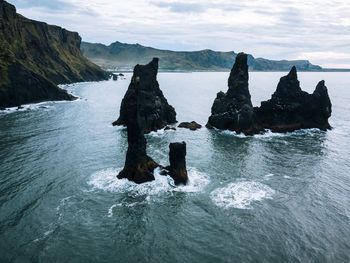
x,y
106,180
110,210
27,107
269,134
241,194
63,202
46,105
157,133
123,204
160,132
268,176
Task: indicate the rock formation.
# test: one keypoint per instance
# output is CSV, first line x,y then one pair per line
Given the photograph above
x,y
139,166
169,128
290,108
154,111
35,57
190,125
177,158
234,110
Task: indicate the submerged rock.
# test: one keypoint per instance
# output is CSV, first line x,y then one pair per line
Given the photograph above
x,y
190,125
139,166
290,108
177,158
154,111
234,110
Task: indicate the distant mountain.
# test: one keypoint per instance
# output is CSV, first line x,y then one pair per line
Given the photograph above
x,y
125,56
35,57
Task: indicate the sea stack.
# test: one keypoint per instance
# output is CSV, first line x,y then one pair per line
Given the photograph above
x,y
234,110
139,166
177,158
290,108
154,110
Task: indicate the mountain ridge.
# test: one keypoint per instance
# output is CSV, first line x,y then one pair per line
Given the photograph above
x,y
124,56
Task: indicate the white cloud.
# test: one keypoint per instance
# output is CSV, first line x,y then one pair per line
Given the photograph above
x,y
276,29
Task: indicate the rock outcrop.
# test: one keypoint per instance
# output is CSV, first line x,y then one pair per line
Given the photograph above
x,y
35,57
139,166
289,109
115,76
234,110
154,111
177,158
190,125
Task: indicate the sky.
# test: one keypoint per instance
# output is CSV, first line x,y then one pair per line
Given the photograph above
x,y
317,30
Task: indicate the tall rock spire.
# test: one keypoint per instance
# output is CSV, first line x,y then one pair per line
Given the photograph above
x,y
234,110
154,110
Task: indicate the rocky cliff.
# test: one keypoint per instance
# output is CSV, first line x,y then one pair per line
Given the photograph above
x,y
35,57
154,111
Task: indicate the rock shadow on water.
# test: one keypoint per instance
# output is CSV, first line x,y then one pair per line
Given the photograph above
x,y
309,142
231,151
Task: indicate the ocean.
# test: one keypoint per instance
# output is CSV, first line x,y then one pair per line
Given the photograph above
x,y
267,198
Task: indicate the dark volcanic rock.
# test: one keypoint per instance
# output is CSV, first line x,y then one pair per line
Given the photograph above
x,y
139,166
35,57
190,125
177,158
167,128
154,111
29,87
115,77
290,108
234,110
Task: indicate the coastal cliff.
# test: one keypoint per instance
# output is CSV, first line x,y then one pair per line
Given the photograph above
x,y
35,57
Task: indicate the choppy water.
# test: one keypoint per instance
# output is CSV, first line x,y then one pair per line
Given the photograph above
x,y
269,198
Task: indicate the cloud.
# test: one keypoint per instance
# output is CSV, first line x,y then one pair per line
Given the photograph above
x,y
276,29
182,7
52,5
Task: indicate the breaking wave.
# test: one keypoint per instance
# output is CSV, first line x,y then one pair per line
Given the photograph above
x,y
106,180
241,194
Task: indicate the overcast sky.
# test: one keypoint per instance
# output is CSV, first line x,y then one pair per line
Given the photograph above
x,y
318,30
